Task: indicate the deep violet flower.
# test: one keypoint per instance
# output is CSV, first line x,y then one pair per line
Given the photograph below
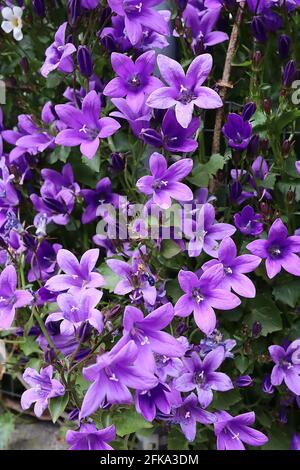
x,y
77,274
94,199
138,14
237,131
134,79
187,414
233,432
88,437
77,308
248,221
43,388
112,376
58,55
202,376
149,402
164,183
172,136
202,295
84,127
42,260
279,250
185,91
10,297
235,267
287,366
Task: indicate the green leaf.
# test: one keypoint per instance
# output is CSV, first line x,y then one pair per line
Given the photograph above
x,y
173,290
278,440
203,172
93,163
169,249
129,421
284,120
242,363
57,406
224,400
264,310
176,440
269,181
30,346
60,153
7,426
288,293
111,279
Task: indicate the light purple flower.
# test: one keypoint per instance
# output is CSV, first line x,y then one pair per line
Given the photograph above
x,y
10,297
234,268
279,250
149,402
134,79
58,55
112,376
202,376
185,91
287,368
233,432
77,274
164,183
202,295
88,437
43,388
138,114
84,127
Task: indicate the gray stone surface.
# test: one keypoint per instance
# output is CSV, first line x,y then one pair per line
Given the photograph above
x,y
36,436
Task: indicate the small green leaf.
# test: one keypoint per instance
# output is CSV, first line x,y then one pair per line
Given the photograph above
x,y
57,406
288,293
111,279
265,311
129,421
169,249
30,346
176,440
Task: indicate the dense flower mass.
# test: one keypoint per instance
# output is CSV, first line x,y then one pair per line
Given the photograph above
x,y
150,220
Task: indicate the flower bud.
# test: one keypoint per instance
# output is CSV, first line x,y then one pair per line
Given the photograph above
x,y
50,356
74,415
284,44
256,329
267,105
84,331
264,145
289,73
287,145
248,111
267,387
253,146
39,7
74,9
85,61
24,65
258,29
257,58
117,162
244,381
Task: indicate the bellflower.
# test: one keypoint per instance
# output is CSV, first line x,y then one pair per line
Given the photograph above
x,y
185,91
88,437
248,222
213,341
84,127
10,297
96,198
202,295
147,335
12,21
43,388
295,442
42,260
77,308
149,402
138,14
164,183
287,368
58,55
173,137
112,376
138,114
202,376
77,274
204,233
279,250
233,432
234,268
237,131
134,79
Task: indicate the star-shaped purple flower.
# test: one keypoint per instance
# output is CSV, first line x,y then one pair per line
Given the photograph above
x,y
237,131
58,55
287,366
94,199
248,222
88,437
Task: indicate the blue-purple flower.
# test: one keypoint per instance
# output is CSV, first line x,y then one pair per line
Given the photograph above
x,y
88,437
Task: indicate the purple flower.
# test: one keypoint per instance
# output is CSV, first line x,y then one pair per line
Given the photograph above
x,y
112,376
138,14
138,114
187,414
147,335
237,131
95,199
173,137
233,432
88,437
134,79
204,232
10,297
77,274
234,268
213,341
185,91
295,442
42,260
43,388
58,55
244,381
297,166
202,295
287,368
149,402
202,376
267,386
84,127
164,183
248,222
77,308
278,250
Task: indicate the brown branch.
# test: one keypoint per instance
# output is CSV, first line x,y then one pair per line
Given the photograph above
x,y
225,82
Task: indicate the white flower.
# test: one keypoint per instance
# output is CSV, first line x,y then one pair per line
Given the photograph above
x,y
13,21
